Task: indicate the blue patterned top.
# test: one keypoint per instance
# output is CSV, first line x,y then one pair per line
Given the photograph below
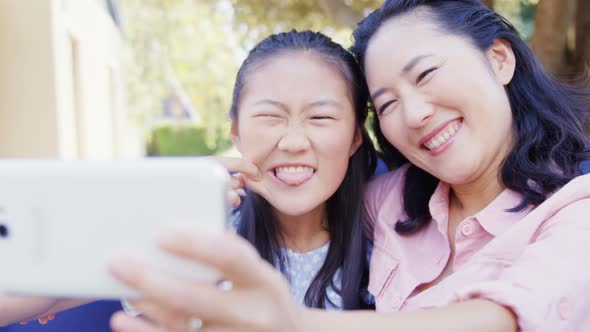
x,y
301,268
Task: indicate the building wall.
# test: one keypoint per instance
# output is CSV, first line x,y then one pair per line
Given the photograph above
x,y
74,107
28,126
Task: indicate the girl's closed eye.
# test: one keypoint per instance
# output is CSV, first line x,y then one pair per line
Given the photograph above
x,y
268,116
322,117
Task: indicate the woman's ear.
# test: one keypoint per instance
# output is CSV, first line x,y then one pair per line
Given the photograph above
x,y
503,61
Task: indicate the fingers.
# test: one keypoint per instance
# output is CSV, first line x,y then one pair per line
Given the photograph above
x,y
121,322
238,262
42,320
237,183
45,320
259,301
234,198
240,165
162,315
244,173
182,298
256,186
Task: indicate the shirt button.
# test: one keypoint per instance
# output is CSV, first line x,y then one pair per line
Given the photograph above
x,y
563,308
467,229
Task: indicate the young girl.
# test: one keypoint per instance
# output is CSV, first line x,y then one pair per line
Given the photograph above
x,y
483,228
297,114
297,119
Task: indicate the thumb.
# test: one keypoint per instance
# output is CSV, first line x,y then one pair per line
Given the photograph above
x,y
256,185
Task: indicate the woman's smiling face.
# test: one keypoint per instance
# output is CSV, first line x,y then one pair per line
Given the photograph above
x,y
440,100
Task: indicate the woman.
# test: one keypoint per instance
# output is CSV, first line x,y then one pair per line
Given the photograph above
x,y
483,228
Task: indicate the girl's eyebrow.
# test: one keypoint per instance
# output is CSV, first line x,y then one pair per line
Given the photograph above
x,y
273,103
325,102
319,103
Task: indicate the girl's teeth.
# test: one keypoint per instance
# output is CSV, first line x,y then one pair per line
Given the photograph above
x,y
294,175
294,169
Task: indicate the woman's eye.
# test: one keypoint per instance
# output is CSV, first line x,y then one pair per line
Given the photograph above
x,y
322,117
384,107
424,74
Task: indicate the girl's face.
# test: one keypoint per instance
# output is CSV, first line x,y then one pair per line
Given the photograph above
x,y
440,100
296,122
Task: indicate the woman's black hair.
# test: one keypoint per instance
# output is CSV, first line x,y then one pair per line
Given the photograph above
x,y
348,247
548,116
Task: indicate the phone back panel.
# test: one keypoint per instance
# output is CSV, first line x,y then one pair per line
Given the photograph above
x,y
61,222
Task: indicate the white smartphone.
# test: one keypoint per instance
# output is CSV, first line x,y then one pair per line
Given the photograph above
x,y
62,222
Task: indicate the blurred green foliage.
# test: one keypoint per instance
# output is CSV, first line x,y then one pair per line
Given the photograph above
x,y
521,13
184,140
181,47
194,48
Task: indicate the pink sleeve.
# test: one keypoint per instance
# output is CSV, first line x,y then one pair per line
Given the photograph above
x,y
548,285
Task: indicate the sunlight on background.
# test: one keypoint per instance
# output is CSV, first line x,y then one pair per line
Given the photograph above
x,y
107,79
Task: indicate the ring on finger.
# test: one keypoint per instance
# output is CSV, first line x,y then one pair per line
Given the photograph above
x,y
194,324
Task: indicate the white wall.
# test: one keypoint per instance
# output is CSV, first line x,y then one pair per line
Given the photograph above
x,y
69,60
28,125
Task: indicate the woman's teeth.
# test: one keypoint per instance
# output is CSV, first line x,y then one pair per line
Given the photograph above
x,y
444,136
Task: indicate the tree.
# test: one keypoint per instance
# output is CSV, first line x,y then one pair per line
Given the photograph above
x,y
336,18
582,52
185,48
560,39
197,45
556,21
549,40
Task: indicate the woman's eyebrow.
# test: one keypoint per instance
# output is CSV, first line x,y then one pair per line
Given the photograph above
x,y
412,63
407,68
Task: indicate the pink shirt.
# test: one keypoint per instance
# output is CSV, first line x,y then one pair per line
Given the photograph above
x,y
535,262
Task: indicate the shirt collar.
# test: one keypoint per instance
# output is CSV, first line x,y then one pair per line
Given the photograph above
x,y
439,207
494,218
